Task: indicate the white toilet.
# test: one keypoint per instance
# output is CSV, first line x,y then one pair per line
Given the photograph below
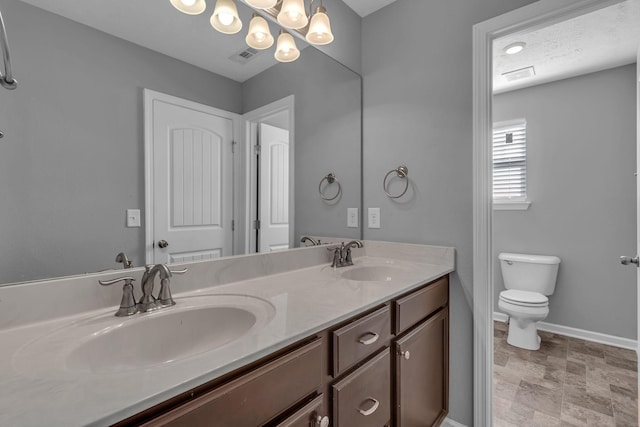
x,y
528,280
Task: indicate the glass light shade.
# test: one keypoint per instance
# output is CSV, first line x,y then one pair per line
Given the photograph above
x,y
286,51
292,14
262,4
320,28
259,36
225,17
190,7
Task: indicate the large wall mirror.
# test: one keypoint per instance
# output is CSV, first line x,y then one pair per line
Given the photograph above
x,y
76,135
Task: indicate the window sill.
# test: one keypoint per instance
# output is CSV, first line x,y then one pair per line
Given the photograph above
x,y
511,205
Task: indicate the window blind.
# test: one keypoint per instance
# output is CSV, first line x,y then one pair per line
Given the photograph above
x,y
510,161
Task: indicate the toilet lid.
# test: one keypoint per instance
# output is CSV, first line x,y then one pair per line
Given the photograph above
x,y
516,296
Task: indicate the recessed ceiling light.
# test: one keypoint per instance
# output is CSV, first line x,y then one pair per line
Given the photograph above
x,y
514,48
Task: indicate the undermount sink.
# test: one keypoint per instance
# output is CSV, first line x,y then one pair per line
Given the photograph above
x,y
375,273
196,325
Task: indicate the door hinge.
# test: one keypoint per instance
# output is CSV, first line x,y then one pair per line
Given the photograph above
x,y
256,224
233,225
256,148
233,147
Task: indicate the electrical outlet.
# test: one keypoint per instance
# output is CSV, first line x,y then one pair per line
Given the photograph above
x,y
374,217
133,218
352,217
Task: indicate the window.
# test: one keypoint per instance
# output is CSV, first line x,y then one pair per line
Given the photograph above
x,y
510,165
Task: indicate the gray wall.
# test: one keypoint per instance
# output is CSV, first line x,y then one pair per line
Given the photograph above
x,y
72,160
327,136
581,145
417,69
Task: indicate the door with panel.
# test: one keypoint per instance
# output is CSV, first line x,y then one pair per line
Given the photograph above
x,y
192,180
274,188
422,373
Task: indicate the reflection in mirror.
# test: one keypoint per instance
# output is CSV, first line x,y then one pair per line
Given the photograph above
x,y
72,162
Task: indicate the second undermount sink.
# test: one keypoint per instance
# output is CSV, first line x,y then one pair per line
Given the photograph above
x,y
105,344
375,273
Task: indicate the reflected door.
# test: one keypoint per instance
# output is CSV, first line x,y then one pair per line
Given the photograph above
x,y
273,234
192,183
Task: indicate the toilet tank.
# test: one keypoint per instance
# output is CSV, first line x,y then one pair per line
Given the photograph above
x,y
535,273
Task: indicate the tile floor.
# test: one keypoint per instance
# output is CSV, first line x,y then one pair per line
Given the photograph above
x,y
568,382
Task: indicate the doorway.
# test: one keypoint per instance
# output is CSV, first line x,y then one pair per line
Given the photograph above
x,y
270,141
536,16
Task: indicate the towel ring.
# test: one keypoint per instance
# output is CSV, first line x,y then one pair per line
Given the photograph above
x,y
330,178
401,172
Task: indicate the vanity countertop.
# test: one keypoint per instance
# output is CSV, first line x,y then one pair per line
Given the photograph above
x,y
38,389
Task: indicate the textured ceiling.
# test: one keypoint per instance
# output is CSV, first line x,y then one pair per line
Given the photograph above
x,y
596,41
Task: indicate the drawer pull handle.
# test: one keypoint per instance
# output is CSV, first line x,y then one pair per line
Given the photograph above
x,y
368,341
372,409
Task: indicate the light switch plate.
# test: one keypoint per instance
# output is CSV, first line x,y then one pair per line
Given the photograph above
x,y
374,217
133,218
352,217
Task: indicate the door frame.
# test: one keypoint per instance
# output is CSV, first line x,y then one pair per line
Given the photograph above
x,y
149,97
536,15
251,121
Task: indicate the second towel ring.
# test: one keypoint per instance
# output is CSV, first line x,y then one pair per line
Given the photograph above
x,y
401,172
330,178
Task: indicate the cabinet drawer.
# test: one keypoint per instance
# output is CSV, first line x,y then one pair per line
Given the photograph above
x,y
420,304
256,397
362,399
307,416
360,338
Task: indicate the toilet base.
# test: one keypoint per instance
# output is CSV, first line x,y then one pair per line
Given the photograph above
x,y
524,337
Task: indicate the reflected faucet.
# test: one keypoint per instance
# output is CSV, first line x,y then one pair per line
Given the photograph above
x,y
122,258
311,240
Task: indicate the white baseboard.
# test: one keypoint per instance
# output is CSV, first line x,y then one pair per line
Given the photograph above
x,y
579,333
448,422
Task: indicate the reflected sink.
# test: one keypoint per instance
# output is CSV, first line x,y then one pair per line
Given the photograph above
x,y
196,325
375,273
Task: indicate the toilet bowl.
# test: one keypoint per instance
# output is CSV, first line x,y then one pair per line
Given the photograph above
x,y
528,280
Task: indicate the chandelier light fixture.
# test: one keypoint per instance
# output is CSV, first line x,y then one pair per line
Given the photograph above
x,y
286,50
225,17
290,14
190,7
259,36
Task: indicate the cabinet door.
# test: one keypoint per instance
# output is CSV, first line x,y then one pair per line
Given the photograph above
x,y
422,368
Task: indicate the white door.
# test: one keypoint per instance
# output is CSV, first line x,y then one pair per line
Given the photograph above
x,y
191,180
273,233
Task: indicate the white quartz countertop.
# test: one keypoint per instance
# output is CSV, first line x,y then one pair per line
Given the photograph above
x,y
38,389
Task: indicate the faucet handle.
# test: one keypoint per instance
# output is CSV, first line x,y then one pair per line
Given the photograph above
x,y
128,306
179,271
126,279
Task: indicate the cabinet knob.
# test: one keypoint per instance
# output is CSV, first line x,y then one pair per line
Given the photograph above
x,y
405,354
322,421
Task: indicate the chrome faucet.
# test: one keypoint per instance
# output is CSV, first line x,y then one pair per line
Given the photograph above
x,y
311,240
148,302
348,246
342,253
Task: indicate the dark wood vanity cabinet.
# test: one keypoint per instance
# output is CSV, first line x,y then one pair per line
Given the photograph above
x,y
387,367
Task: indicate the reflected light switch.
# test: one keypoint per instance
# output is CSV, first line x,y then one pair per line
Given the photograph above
x,y
374,217
352,217
133,217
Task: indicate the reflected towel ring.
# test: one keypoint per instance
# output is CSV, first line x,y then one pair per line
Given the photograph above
x,y
330,178
401,172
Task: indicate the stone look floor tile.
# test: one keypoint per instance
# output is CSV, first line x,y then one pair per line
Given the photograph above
x,y
567,383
